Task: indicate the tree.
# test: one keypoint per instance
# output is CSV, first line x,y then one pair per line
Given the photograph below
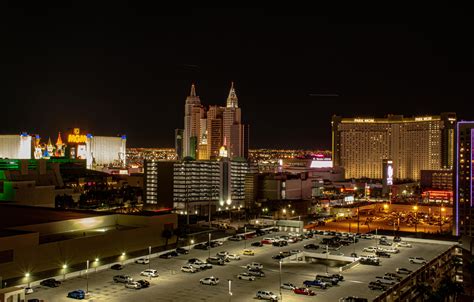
x,y
167,234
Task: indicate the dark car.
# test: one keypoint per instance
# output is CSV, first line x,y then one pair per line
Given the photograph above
x,y
311,246
77,294
260,232
397,239
50,282
278,257
280,243
202,246
256,272
143,283
182,250
369,261
338,276
257,243
354,255
328,279
117,267
169,255
382,254
377,286
385,242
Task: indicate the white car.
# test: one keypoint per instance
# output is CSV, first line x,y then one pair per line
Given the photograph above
x,y
289,286
233,257
419,260
266,295
404,244
255,265
392,250
245,276
142,261
370,249
28,290
150,273
209,280
222,254
369,236
294,252
134,285
386,280
188,269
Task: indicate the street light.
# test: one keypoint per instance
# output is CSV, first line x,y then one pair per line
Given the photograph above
x,y
245,238
149,257
209,245
230,290
415,208
27,276
441,219
64,271
281,294
87,277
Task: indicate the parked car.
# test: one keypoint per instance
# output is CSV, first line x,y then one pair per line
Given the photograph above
x,y
188,269
385,280
51,282
392,250
233,257
150,273
369,261
202,246
402,270
384,242
257,244
77,294
289,286
122,279
382,254
311,246
294,252
133,285
266,295
353,299
280,243
338,276
255,265
267,240
236,238
404,244
278,256
245,276
218,242
394,276
328,279
370,249
142,261
169,255
418,260
222,253
377,286
143,283
209,280
215,260
117,267
182,250
248,253
256,272
397,239
317,283
304,291
28,290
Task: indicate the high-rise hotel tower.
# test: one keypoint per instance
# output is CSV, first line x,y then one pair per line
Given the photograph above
x,y
206,132
360,145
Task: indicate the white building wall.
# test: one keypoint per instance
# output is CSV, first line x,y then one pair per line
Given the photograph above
x,y
106,150
15,146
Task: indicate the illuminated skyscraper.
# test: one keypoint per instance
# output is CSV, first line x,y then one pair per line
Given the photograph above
x,y
360,145
193,112
463,180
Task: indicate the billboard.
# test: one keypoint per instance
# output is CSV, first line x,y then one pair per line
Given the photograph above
x,y
321,163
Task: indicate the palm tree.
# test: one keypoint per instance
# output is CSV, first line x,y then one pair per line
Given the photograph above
x,y
426,292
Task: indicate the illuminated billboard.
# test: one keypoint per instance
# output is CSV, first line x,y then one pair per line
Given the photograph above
x,y
389,173
321,163
76,137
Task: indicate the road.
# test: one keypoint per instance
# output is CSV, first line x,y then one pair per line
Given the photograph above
x,y
174,285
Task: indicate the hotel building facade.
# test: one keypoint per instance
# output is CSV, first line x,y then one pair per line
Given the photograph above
x,y
360,145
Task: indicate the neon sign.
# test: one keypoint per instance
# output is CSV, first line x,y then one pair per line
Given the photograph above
x,y
76,137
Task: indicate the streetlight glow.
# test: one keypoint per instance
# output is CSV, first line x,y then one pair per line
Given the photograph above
x,y
64,266
27,275
415,208
123,254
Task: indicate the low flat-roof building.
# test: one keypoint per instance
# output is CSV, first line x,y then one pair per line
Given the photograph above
x,y
36,240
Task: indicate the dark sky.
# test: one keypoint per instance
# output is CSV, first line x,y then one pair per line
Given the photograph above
x,y
125,69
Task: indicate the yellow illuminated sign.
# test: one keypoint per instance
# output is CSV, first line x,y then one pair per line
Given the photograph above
x,y
423,118
76,137
364,120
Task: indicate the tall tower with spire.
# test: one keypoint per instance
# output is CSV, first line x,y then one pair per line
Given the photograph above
x,y
232,100
193,112
232,119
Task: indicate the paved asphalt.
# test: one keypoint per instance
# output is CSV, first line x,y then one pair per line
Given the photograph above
x,y
174,285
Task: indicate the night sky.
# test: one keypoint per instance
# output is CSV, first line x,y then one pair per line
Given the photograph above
x,y
124,69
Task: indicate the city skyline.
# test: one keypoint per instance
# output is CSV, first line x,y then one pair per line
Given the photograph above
x,y
71,71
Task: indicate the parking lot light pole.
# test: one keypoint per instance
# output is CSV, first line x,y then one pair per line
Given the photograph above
x,y
87,277
230,290
149,257
209,245
281,294
245,238
327,252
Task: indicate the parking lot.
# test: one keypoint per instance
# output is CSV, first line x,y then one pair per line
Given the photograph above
x,y
174,285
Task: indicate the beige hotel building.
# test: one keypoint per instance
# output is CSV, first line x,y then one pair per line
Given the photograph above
x,y
360,145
